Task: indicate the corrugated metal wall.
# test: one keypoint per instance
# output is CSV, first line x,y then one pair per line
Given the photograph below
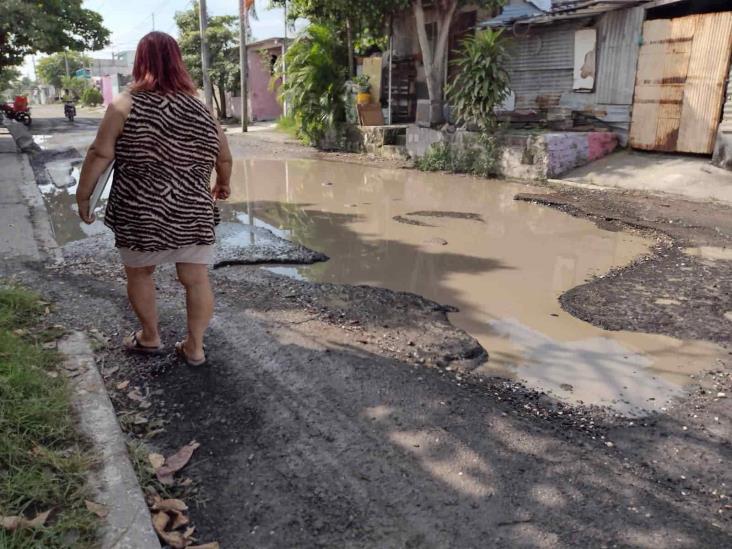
x,y
619,35
541,62
541,66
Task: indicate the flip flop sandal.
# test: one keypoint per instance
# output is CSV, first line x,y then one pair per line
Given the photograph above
x,y
133,345
181,353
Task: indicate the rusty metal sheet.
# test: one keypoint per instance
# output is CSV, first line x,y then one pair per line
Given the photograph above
x,y
680,83
705,82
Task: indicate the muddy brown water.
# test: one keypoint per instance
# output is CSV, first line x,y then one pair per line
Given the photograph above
x,y
464,242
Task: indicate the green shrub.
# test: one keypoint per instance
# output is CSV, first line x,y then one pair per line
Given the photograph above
x,y
91,97
438,158
482,82
316,76
479,159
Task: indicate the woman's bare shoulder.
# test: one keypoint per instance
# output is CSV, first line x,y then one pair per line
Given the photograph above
x,y
122,103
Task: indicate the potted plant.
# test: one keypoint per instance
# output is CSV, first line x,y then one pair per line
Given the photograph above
x,y
361,83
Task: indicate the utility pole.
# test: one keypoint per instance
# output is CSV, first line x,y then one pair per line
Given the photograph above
x,y
66,62
243,9
205,56
284,63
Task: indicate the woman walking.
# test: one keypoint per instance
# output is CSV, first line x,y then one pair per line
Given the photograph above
x,y
165,144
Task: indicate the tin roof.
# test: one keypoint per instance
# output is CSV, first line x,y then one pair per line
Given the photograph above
x,y
561,10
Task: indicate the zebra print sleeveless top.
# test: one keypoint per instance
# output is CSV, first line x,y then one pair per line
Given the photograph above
x,y
160,197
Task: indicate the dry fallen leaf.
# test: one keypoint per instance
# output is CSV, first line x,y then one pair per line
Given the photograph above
x,y
135,395
169,505
179,520
15,523
160,521
188,534
122,385
175,539
212,545
49,345
97,508
176,462
156,460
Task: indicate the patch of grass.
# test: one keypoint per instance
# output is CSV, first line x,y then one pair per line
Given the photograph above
x,y
43,464
287,124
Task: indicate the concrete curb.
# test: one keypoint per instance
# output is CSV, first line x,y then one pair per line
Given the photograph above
x,y
42,229
114,481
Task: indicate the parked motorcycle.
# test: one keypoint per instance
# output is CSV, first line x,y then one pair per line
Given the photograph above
x,y
69,110
17,110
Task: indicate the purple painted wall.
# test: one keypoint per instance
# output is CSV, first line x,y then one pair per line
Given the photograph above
x,y
263,101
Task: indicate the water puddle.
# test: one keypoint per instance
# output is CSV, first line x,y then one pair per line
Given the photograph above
x,y
466,242
712,253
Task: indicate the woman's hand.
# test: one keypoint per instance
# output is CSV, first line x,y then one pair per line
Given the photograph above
x,y
84,213
221,191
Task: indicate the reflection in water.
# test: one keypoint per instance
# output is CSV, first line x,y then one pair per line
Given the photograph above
x,y
61,204
503,271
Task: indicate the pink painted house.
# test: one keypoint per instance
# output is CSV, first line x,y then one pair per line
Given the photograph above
x,y
261,59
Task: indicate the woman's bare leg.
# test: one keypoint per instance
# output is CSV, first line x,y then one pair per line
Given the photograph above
x,y
141,292
199,305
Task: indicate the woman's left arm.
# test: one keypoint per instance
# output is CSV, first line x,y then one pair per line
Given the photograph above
x,y
101,152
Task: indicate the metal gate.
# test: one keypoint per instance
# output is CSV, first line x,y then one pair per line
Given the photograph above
x,y
680,83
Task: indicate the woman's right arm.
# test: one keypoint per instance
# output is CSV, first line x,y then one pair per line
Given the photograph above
x,y
101,152
222,189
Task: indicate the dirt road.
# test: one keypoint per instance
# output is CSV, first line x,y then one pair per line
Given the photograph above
x,y
345,416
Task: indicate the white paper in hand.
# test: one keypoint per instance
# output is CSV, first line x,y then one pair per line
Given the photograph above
x,y
99,187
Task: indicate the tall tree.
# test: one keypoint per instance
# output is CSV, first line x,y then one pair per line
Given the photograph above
x,y
8,78
52,69
47,26
371,17
355,22
223,46
435,59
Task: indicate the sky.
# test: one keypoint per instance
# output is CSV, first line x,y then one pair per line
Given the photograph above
x,y
129,20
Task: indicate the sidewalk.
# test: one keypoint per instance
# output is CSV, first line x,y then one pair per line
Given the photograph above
x,y
16,227
689,176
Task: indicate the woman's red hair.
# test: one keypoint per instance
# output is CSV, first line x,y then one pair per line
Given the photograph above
x,y
159,66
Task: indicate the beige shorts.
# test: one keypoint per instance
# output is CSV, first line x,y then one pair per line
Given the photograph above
x,y
190,254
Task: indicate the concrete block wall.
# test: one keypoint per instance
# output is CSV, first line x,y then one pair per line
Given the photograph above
x,y
525,155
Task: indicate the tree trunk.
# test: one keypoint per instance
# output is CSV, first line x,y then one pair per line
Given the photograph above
x,y
349,40
434,62
222,95
216,101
